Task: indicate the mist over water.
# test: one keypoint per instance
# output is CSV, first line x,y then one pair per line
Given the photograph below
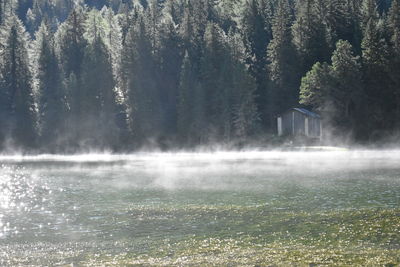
x,y
80,203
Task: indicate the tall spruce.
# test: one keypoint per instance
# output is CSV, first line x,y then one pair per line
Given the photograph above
x,y
170,58
71,45
71,42
375,58
141,86
336,91
257,34
51,93
394,30
97,123
347,93
310,34
190,104
215,77
1,11
245,115
315,88
18,114
283,68
113,40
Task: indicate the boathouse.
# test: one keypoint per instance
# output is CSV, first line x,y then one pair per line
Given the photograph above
x,y
299,122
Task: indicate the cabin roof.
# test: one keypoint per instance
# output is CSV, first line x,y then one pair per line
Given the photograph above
x,y
307,112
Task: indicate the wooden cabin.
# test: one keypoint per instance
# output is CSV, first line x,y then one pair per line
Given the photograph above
x,y
299,122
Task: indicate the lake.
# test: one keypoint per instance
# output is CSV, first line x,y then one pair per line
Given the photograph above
x,y
224,208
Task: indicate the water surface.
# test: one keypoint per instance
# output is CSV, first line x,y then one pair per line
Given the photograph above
x,y
182,208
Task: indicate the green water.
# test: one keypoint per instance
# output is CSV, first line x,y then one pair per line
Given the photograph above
x,y
254,208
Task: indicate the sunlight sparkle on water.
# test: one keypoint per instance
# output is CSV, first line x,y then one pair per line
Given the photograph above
x,y
64,209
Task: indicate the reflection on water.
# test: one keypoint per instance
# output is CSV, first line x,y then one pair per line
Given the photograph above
x,y
22,195
70,200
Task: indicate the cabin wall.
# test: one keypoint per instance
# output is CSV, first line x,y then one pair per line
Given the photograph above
x,y
279,124
287,125
314,127
295,123
299,123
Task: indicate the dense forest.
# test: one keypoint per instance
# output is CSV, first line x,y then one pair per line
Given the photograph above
x,y
121,74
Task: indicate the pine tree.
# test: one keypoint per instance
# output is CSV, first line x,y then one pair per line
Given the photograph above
x,y
139,79
99,106
310,34
94,26
71,45
18,109
229,13
71,42
342,21
394,25
215,76
153,16
170,57
315,88
175,10
1,11
186,99
193,29
283,68
245,116
257,34
337,91
375,54
9,8
347,93
394,72
113,40
51,94
369,11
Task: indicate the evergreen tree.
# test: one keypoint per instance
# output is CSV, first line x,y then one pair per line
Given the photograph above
x,y
52,12
257,34
229,13
170,57
245,115
139,79
113,40
375,55
215,76
316,86
51,96
347,93
99,107
175,10
186,123
71,44
153,16
193,29
17,103
369,11
283,69
342,21
336,90
310,34
9,8
394,29
1,11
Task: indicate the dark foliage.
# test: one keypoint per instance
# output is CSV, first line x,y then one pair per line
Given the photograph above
x,y
118,74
